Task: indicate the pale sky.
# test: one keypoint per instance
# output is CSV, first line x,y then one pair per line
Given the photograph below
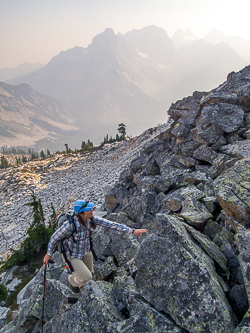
x,y
36,30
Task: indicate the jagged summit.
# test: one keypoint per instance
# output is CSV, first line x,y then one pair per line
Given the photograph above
x,y
153,42
182,38
108,36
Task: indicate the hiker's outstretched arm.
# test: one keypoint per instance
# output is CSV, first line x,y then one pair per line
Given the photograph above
x,y
112,225
139,232
117,226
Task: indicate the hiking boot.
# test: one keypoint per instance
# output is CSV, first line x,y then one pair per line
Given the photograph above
x,y
73,287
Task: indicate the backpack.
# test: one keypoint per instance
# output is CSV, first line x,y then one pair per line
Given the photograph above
x,y
59,222
60,246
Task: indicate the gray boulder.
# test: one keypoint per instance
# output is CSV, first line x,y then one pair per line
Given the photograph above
x,y
232,191
182,279
3,315
224,239
243,94
209,247
108,242
220,97
206,133
28,319
238,300
102,242
100,305
72,320
135,207
124,246
107,269
53,271
240,149
182,128
205,153
141,316
219,165
57,296
243,242
196,178
195,213
227,117
188,108
174,201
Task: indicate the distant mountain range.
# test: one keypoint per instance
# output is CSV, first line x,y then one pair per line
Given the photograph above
x,y
27,117
238,43
23,69
132,78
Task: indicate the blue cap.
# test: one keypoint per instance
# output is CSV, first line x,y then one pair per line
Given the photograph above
x,y
82,206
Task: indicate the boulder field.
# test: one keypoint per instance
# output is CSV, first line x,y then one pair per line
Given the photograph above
x,y
189,186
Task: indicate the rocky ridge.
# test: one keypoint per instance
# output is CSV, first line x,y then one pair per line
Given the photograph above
x,y
190,188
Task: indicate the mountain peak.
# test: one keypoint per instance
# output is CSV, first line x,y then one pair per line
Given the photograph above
x,y
182,38
105,37
153,41
241,45
214,35
189,32
109,31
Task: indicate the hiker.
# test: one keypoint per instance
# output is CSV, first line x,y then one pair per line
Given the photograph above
x,y
78,248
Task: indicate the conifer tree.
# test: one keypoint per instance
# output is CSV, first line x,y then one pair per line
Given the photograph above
x,y
42,155
4,163
122,130
66,147
83,145
37,236
24,159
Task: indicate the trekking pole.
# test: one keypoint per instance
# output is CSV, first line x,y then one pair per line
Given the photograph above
x,y
44,280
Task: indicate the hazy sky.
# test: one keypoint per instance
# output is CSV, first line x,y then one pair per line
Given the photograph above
x,y
37,30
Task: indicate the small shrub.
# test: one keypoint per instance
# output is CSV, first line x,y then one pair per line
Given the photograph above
x,y
37,237
3,292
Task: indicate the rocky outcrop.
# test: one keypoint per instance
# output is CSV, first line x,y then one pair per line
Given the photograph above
x,y
192,184
190,188
182,279
232,189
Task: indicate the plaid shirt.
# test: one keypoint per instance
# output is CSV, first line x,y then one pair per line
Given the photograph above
x,y
81,246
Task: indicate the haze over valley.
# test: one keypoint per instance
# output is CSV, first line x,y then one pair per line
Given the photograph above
x,y
131,78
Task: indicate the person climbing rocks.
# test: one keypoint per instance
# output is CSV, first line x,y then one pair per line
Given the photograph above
x,y
78,248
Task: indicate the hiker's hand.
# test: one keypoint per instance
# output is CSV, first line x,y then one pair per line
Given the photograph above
x,y
139,232
46,259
